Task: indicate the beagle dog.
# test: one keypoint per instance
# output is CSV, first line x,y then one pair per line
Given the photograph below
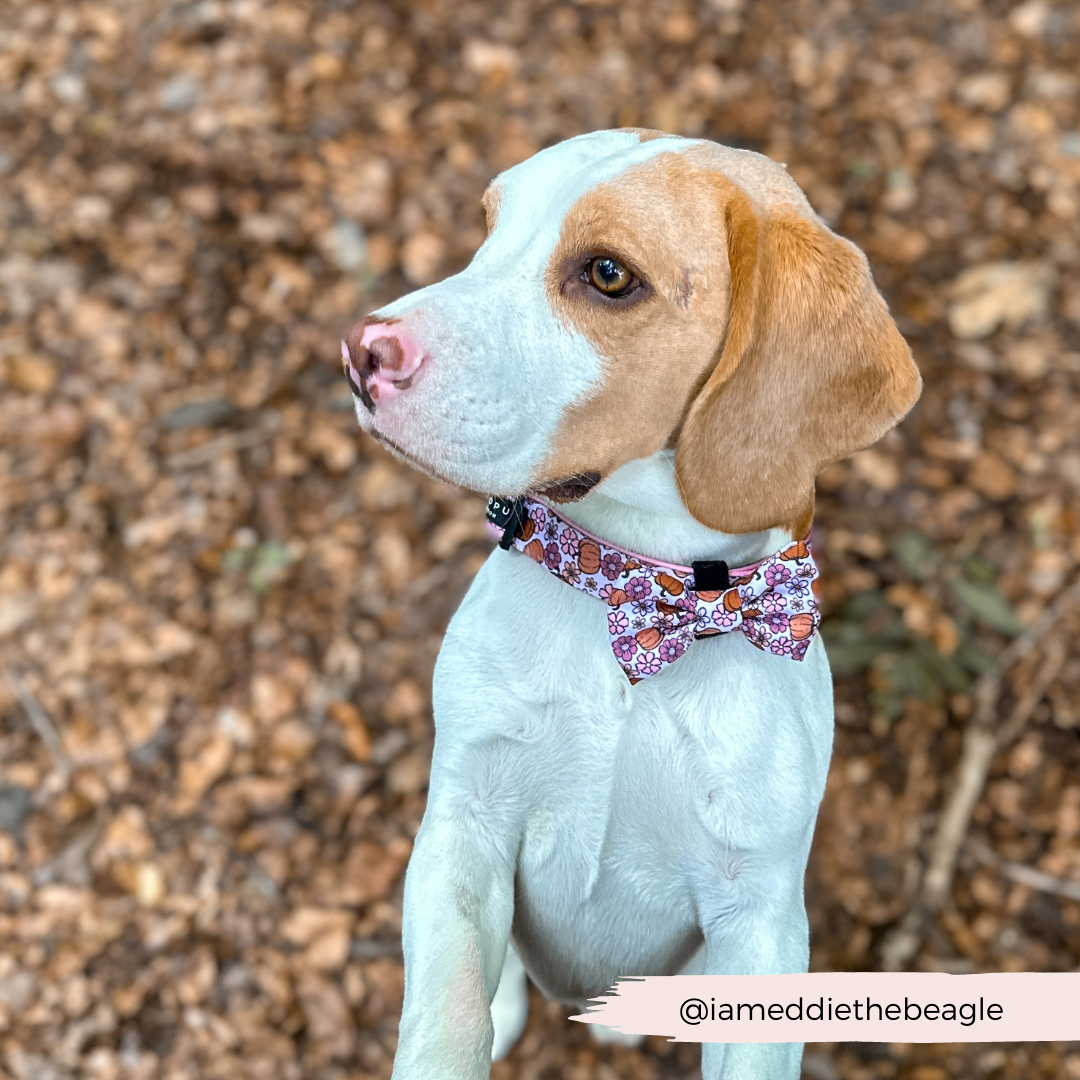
x,y
655,350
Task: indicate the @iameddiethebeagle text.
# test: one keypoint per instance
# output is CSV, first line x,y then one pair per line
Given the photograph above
x,y
696,1010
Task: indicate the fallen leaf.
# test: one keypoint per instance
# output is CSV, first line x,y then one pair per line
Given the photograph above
x,y
991,295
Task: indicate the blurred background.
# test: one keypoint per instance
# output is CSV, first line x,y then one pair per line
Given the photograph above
x,y
220,604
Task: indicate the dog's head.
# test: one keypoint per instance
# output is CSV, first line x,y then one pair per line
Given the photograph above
x,y
638,291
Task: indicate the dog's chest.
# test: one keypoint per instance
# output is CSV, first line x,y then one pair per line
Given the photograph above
x,y
614,793
615,832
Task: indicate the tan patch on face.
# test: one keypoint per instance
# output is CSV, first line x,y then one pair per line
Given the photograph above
x,y
490,201
759,346
658,345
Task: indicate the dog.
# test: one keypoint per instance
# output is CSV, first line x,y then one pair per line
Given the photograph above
x,y
655,350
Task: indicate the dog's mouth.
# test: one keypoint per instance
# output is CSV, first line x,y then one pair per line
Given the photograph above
x,y
570,488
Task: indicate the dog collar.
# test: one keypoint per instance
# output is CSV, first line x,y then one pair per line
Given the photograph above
x,y
658,608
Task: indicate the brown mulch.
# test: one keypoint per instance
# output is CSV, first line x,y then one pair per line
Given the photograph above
x,y
220,605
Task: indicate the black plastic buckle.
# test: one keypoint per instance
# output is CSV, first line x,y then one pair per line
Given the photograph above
x,y
711,575
508,515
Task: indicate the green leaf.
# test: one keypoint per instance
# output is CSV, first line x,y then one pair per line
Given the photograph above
x,y
917,557
887,704
863,604
945,668
862,168
974,659
235,558
910,675
981,571
987,604
851,657
272,559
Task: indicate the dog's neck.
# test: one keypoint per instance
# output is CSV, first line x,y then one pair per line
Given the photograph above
x,y
638,508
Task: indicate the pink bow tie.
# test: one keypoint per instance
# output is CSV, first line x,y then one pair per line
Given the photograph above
x,y
656,610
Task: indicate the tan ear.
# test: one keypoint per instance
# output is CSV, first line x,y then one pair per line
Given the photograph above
x,y
812,368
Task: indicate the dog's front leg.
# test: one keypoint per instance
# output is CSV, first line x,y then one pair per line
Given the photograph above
x,y
459,898
756,932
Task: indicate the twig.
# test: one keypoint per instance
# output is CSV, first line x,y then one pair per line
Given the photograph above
x,y
1025,875
216,448
1056,654
982,738
39,719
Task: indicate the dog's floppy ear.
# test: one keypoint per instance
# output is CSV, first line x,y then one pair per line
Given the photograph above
x,y
811,369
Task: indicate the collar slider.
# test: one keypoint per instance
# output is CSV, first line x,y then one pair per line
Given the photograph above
x,y
711,575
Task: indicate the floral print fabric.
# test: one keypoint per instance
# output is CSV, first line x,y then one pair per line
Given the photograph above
x,y
655,611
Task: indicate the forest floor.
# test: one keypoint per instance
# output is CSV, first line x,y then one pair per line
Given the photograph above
x,y
220,604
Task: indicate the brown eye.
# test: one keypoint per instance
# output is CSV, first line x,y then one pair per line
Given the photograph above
x,y
609,276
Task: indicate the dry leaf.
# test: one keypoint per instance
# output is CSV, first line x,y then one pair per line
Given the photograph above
x,y
990,295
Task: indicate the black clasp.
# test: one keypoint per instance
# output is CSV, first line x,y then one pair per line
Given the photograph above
x,y
711,575
508,515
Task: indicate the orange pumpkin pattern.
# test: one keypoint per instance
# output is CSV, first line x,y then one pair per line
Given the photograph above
x,y
796,551
654,612
670,584
588,556
535,550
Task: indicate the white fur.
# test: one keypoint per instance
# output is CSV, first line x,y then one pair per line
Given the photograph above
x,y
610,829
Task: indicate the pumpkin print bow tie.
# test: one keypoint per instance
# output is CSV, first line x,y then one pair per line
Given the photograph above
x,y
656,610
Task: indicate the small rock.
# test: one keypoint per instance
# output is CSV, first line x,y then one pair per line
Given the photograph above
x,y
150,885
179,94
15,803
349,246
68,87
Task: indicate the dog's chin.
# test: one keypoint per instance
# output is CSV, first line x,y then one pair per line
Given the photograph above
x,y
568,489
403,455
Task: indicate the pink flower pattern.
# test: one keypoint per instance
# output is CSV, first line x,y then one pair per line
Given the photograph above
x,y
770,602
552,557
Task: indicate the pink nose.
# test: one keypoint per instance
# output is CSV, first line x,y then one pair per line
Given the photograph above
x,y
380,360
